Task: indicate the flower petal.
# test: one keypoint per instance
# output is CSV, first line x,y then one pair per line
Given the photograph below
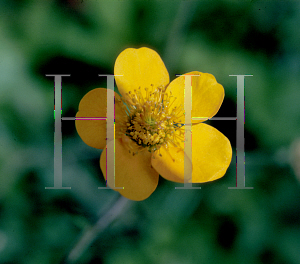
x,y
140,68
211,153
207,94
93,104
170,164
134,173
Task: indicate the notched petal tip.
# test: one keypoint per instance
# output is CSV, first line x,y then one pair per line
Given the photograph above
x,y
207,94
139,68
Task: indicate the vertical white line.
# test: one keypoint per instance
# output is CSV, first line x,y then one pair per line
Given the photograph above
x,y
188,127
57,134
240,134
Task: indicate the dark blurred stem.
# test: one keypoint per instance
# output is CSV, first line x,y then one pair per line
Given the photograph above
x,y
89,236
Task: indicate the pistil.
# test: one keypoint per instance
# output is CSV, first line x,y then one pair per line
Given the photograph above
x,y
151,121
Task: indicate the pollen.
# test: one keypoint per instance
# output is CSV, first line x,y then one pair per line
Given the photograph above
x,y
151,120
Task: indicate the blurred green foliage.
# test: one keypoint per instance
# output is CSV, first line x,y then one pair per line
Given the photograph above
x,y
83,38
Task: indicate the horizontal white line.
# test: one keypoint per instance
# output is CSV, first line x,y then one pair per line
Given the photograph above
x,y
104,118
214,118
83,118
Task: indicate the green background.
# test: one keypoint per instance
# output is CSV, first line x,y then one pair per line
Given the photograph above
x,y
211,225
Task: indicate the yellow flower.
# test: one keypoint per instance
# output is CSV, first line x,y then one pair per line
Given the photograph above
x,y
149,131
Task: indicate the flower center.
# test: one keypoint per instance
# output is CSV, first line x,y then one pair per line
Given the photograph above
x,y
151,119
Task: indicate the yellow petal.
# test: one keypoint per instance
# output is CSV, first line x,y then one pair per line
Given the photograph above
x,y
170,164
140,68
211,153
207,94
134,173
93,104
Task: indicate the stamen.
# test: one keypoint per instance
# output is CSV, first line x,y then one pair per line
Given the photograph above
x,y
150,120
